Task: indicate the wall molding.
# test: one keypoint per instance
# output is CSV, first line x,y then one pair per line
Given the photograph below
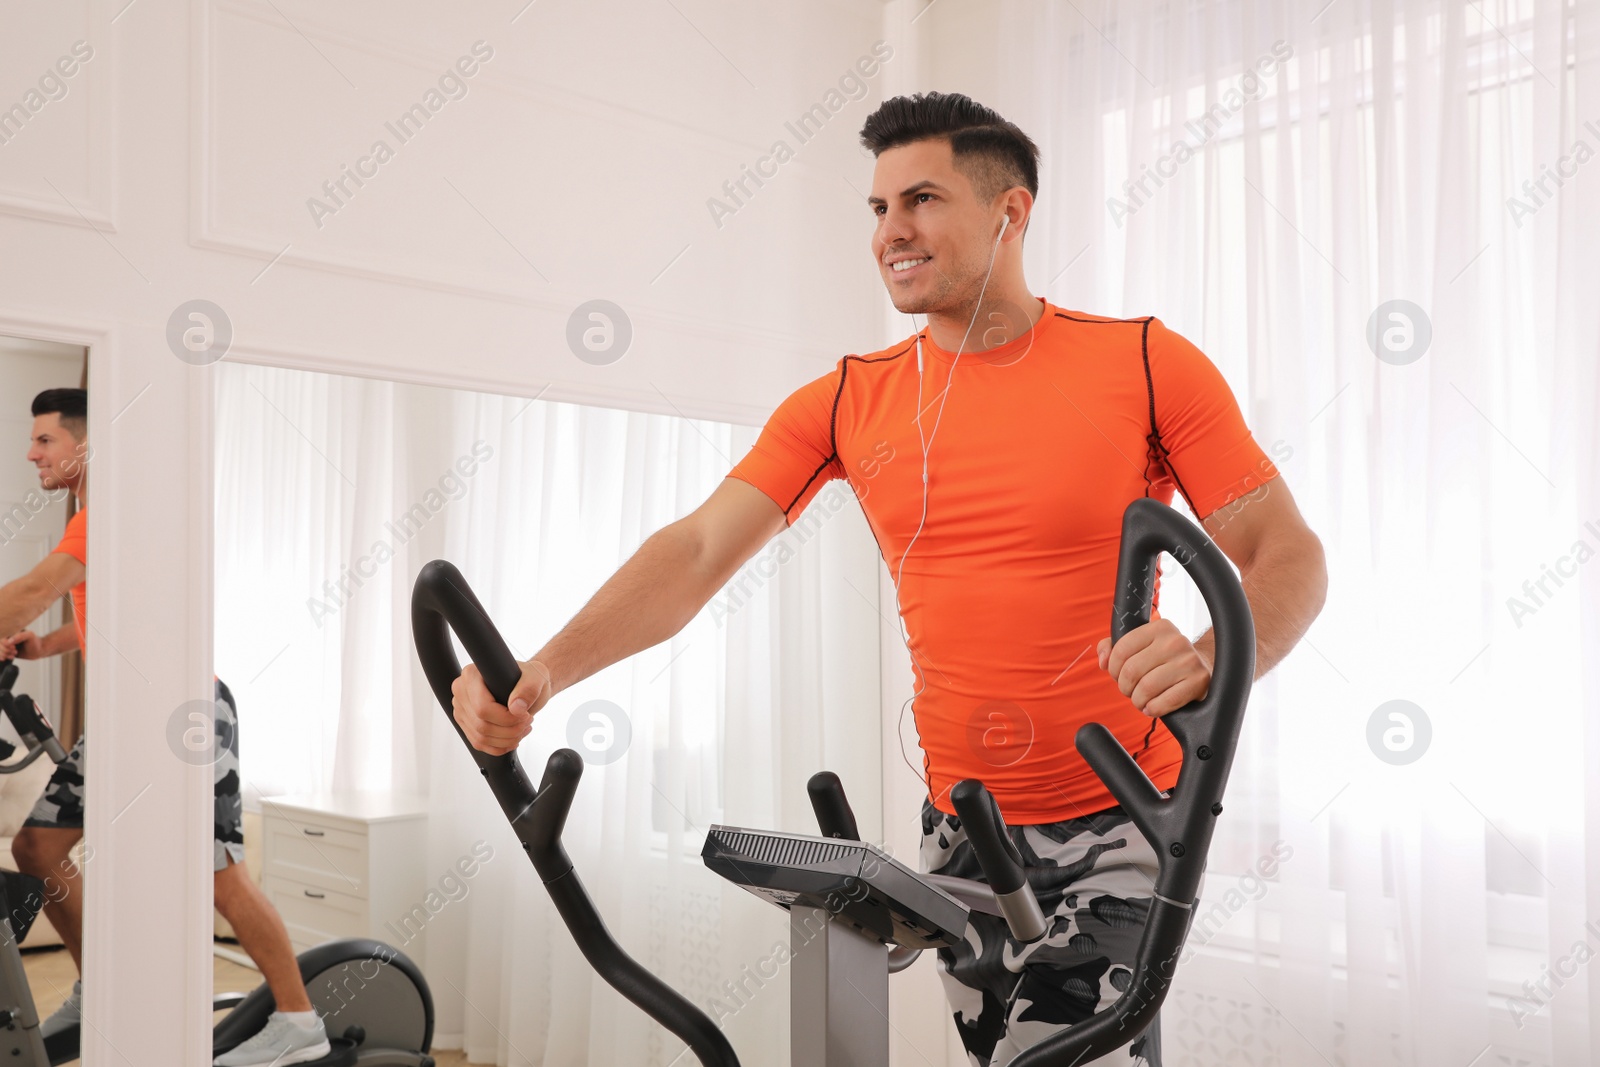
x,y
98,211
620,397
90,217
206,233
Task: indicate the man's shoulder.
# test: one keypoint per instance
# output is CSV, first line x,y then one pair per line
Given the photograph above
x,y
905,347
1150,337
1074,315
75,540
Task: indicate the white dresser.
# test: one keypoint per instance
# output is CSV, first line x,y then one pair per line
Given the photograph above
x,y
344,865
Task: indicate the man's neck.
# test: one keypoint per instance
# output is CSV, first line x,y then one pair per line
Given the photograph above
x,y
1004,316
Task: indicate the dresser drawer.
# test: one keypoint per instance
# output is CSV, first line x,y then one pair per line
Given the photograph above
x,y
339,864
314,914
301,850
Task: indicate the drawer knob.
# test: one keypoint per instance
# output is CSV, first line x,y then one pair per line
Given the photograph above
x,y
315,833
315,896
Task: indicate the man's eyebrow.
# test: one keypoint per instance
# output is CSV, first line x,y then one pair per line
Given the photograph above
x,y
909,190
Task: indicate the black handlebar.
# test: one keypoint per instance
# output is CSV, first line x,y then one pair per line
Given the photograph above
x,y
834,815
1178,826
441,601
999,860
31,725
997,853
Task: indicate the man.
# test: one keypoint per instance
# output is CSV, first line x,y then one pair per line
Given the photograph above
x,y
1016,449
293,1033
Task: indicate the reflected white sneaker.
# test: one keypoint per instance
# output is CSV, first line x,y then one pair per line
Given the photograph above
x,y
280,1042
69,1014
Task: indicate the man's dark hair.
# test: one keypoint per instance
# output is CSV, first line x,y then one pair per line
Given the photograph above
x,y
994,154
71,405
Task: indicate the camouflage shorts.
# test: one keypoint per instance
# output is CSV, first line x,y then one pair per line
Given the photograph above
x,y
1008,996
60,807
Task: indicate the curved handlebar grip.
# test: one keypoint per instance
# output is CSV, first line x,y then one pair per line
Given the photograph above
x,y
998,857
442,601
1207,729
24,715
834,815
1179,826
29,721
32,726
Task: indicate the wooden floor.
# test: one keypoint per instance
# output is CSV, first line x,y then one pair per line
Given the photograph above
x,y
51,974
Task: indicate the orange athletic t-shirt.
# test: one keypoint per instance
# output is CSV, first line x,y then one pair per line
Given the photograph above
x,y
1043,443
75,543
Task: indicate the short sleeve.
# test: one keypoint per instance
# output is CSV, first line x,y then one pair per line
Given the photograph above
x,y
794,456
75,541
1209,450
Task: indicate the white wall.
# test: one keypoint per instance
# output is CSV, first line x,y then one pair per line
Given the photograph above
x,y
175,163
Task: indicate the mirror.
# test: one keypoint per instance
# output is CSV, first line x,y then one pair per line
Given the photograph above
x,y
363,817
43,552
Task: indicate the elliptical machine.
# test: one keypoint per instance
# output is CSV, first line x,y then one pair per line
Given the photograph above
x,y
371,997
848,899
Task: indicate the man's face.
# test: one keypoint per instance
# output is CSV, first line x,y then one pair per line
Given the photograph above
x,y
927,210
58,455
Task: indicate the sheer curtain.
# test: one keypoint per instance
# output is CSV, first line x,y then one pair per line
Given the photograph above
x,y
1267,177
357,483
309,469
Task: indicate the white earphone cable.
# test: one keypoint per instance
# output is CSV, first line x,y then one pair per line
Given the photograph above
x,y
927,443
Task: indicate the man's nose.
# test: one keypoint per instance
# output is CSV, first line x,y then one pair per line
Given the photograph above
x,y
894,232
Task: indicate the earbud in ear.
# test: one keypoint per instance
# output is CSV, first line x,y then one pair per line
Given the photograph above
x,y
1005,220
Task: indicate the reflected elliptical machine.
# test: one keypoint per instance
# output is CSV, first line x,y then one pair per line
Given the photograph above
x,y
856,913
372,998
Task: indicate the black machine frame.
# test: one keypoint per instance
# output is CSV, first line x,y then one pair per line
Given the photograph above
x,y
1179,825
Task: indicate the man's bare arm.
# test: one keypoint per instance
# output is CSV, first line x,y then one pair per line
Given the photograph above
x,y
25,644
1281,567
28,597
664,584
651,597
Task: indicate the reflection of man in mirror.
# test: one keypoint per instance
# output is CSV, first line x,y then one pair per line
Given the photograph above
x,y
43,847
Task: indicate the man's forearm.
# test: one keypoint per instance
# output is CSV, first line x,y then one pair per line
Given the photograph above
x,y
1286,587
60,640
22,601
651,597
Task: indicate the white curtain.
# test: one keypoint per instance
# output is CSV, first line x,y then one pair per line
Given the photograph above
x,y
1294,167
309,468
538,503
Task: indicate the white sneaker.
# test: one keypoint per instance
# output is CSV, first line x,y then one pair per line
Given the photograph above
x,y
69,1014
280,1042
